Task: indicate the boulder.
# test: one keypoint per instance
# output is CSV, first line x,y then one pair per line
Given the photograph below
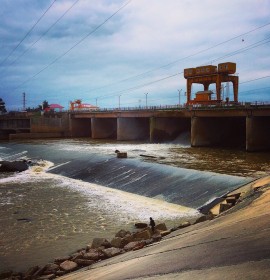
x,y
130,246
142,235
39,272
99,242
31,271
141,225
122,233
117,242
204,218
156,237
94,255
51,268
224,207
46,277
62,259
5,274
161,227
60,273
165,232
13,166
68,266
83,262
184,224
111,252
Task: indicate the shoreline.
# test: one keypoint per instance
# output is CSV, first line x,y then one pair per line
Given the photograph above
x,y
233,223
246,190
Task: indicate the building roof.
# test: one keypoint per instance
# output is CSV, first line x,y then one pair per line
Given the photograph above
x,y
55,106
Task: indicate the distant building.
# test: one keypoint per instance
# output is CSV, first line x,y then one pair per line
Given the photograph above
x,y
54,108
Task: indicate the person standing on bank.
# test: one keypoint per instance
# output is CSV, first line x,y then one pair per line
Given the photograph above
x,y
152,224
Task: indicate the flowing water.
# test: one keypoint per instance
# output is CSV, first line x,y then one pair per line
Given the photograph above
x,y
82,191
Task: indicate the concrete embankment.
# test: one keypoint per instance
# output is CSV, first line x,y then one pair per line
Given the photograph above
x,y
234,245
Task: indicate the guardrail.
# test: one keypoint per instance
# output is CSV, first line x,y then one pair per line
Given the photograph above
x,y
230,106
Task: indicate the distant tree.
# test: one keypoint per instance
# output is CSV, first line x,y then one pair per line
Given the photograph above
x,y
2,106
45,104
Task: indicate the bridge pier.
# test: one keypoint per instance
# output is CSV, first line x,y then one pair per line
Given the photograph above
x,y
80,127
133,129
167,129
104,128
257,133
219,131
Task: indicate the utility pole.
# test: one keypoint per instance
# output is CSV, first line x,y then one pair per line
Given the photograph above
x,y
119,101
179,92
96,102
146,99
24,102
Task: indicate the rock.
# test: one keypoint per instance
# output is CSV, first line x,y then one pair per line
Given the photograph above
x,y
60,273
46,277
204,218
13,166
156,237
184,224
121,155
31,271
68,266
111,252
98,242
117,242
161,227
5,274
141,225
130,246
51,268
62,259
77,256
165,232
39,272
142,235
83,262
94,255
224,207
122,233
139,246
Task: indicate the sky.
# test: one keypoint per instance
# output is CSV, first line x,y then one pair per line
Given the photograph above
x,y
120,52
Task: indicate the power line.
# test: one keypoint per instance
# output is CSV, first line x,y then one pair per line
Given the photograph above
x,y
255,79
75,45
45,32
184,58
171,76
27,33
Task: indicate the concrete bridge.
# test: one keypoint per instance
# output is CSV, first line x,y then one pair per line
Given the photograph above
x,y
242,126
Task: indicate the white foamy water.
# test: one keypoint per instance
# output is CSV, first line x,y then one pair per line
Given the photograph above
x,y
44,216
126,206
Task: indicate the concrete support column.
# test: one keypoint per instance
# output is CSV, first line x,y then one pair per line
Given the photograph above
x,y
257,133
133,129
80,127
103,128
167,129
224,132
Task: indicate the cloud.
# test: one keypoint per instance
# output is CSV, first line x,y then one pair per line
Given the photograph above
x,y
144,36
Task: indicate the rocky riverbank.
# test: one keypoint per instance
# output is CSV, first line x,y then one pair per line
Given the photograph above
x,y
99,249
142,236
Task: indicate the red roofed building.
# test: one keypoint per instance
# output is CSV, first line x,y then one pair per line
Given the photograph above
x,y
54,107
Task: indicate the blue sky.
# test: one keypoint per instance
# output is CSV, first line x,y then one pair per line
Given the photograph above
x,y
68,49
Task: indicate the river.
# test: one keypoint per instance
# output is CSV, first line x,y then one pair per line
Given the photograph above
x,y
83,191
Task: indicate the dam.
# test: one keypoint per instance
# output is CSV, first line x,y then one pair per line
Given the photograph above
x,y
227,126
